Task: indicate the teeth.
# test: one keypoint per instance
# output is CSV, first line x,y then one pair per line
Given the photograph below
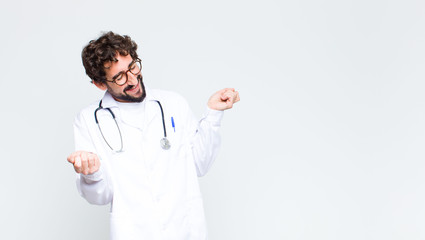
x,y
135,86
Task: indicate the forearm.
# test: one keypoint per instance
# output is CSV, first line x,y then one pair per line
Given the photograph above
x,y
96,188
206,141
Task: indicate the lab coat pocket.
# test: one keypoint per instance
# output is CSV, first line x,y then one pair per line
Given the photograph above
x,y
174,130
196,219
188,223
126,227
121,227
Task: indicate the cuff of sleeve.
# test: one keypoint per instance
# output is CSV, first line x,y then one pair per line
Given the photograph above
x,y
95,177
213,116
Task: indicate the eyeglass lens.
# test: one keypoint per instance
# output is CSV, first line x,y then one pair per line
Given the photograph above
x,y
134,69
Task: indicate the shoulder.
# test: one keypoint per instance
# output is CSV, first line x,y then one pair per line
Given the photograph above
x,y
167,96
87,113
172,102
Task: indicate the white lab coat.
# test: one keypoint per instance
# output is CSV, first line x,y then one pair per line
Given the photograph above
x,y
154,193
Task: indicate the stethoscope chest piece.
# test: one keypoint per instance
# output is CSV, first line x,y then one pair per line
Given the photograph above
x,y
165,144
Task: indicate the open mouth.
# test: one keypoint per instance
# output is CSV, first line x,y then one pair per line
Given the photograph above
x,y
131,89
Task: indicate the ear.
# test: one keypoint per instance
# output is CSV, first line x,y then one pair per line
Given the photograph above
x,y
100,85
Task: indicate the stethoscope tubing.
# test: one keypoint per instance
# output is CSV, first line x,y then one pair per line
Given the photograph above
x,y
116,123
162,115
165,144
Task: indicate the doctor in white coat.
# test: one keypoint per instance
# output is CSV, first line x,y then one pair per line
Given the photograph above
x,y
141,150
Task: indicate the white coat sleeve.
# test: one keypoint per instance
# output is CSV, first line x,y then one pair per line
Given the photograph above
x,y
205,141
96,188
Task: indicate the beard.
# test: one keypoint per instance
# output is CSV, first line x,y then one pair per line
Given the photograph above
x,y
128,98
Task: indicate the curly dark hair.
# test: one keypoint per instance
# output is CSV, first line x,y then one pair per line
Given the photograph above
x,y
105,49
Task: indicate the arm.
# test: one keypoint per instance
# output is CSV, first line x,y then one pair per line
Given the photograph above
x,y
92,179
206,140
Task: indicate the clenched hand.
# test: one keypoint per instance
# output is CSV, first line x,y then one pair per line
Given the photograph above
x,y
223,99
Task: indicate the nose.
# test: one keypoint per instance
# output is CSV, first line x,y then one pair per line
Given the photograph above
x,y
131,78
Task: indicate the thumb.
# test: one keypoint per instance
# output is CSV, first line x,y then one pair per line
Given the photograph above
x,y
70,159
223,96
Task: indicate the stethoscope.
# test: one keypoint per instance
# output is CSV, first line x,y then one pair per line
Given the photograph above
x,y
164,142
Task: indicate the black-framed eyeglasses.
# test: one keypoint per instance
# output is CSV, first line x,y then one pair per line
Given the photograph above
x,y
122,77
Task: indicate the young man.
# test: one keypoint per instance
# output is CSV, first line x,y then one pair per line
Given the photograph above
x,y
141,150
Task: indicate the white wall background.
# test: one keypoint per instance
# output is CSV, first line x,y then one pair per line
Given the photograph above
x,y
326,143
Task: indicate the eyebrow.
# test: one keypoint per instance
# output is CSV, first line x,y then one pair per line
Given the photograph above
x,y
121,72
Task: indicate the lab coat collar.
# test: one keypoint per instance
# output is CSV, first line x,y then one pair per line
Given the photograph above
x,y
108,101
150,113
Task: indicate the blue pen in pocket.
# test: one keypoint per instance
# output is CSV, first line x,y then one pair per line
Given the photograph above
x,y
172,124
